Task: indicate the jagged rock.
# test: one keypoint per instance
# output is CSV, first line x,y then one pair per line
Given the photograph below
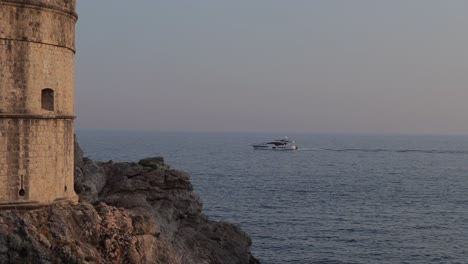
x,y
141,212
78,154
154,163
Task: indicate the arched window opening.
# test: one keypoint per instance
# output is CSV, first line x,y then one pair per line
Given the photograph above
x,y
47,99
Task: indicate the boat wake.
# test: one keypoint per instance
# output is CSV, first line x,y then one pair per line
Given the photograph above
x,y
428,151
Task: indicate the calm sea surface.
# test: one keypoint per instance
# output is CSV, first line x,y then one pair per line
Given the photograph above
x,y
339,199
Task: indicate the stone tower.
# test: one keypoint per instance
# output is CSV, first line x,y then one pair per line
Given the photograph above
x,y
37,49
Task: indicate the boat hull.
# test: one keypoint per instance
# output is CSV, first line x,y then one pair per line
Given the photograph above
x,y
276,148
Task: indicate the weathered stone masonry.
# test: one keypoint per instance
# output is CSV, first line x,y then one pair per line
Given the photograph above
x,y
37,49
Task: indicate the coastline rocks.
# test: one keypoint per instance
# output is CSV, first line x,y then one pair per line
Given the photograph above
x,y
141,212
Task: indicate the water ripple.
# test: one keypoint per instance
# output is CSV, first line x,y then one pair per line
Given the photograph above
x,y
347,200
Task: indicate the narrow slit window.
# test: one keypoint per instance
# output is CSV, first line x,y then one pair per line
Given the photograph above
x,y
47,99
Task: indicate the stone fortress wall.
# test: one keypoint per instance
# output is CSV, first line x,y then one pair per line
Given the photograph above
x,y
36,101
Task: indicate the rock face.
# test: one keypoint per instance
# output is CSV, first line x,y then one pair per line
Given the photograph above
x,y
141,212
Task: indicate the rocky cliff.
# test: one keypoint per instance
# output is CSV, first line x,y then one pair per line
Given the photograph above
x,y
141,212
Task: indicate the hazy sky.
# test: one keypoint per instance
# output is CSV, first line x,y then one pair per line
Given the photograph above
x,y
339,66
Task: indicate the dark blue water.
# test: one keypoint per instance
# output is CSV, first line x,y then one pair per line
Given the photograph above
x,y
340,199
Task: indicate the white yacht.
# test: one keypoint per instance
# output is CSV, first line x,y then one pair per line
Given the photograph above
x,y
279,144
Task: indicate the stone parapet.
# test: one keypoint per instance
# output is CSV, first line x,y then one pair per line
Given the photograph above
x,y
26,116
65,6
37,24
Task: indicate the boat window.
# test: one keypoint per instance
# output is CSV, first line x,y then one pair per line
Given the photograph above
x,y
277,143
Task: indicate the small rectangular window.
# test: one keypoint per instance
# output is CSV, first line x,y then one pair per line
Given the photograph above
x,y
47,99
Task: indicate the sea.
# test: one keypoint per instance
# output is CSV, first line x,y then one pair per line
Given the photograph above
x,y
339,199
